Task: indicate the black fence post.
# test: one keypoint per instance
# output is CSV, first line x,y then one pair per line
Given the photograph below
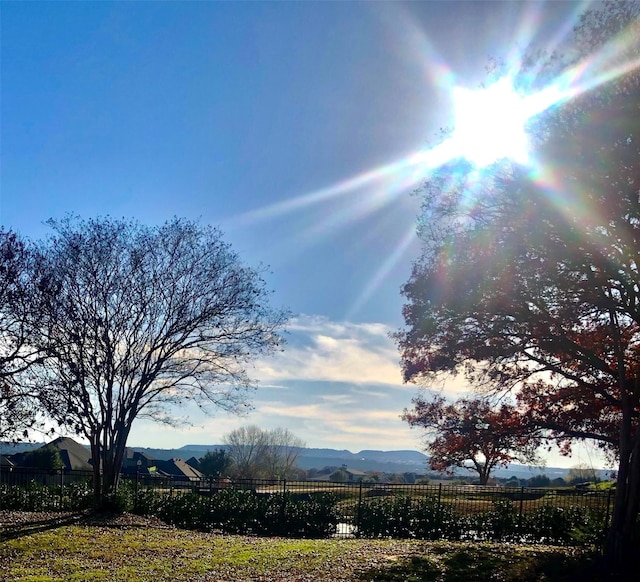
x,y
171,504
137,488
61,488
359,510
521,507
283,517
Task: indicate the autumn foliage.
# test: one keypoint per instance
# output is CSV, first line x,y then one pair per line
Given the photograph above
x,y
529,280
471,434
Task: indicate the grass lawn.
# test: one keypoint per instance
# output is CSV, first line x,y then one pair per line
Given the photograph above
x,y
76,552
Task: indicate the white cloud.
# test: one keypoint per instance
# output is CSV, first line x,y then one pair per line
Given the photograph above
x,y
336,384
321,350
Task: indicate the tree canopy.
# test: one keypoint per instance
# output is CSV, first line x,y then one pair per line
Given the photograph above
x,y
18,315
472,434
255,452
529,277
47,458
136,320
215,463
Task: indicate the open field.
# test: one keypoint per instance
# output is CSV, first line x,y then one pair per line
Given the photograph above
x,y
54,547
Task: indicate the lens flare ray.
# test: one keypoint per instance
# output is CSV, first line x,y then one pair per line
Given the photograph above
x,y
387,182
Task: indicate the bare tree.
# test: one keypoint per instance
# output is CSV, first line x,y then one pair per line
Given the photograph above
x,y
263,453
17,353
283,449
139,320
247,447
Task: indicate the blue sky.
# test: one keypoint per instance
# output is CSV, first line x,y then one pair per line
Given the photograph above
x,y
280,122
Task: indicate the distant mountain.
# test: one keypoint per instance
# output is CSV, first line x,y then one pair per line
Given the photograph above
x,y
8,448
402,461
367,460
381,461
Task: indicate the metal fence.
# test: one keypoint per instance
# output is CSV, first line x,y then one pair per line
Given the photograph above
x,y
358,508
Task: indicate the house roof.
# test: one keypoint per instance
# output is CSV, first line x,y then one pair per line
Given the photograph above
x,y
180,468
75,456
354,472
193,462
132,455
6,461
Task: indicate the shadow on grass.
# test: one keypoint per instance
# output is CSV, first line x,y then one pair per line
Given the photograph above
x,y
499,564
18,530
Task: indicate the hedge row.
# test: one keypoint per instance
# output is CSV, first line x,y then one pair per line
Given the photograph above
x,y
401,517
316,515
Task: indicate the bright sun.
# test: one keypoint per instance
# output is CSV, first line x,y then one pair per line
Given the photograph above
x,y
490,123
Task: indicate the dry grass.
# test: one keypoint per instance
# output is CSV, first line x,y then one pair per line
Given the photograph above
x,y
81,548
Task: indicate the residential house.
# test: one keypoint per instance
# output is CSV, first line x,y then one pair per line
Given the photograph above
x,y
75,457
137,463
179,469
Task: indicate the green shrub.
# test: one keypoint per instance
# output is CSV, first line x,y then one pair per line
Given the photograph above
x,y
433,520
315,517
564,526
148,502
13,497
400,517
30,497
236,511
500,523
120,501
231,511
185,511
551,525
385,517
36,497
588,526
77,496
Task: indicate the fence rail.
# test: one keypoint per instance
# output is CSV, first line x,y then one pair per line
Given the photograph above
x,y
322,508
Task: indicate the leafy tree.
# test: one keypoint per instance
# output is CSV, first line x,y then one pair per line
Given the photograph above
x,y
215,463
140,319
339,476
538,481
47,458
533,284
471,434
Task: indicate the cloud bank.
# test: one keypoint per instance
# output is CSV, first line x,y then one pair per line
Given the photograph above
x,y
321,350
335,385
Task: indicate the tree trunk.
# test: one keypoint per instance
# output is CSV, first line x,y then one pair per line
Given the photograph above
x,y
96,460
107,458
620,548
619,543
114,457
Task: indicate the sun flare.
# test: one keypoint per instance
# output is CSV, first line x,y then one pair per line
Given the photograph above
x,y
490,124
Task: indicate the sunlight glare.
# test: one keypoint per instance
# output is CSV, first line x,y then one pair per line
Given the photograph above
x,y
490,124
